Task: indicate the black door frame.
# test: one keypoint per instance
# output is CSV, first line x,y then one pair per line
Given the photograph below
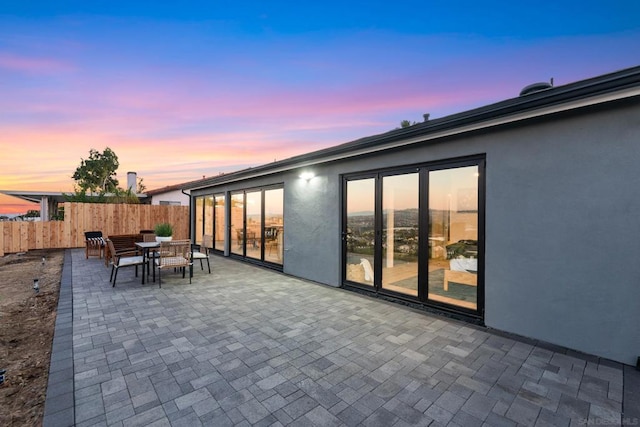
x,y
423,224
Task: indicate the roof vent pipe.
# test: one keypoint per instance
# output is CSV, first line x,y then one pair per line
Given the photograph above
x,y
536,87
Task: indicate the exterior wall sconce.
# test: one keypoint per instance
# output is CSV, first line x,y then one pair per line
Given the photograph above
x,y
307,176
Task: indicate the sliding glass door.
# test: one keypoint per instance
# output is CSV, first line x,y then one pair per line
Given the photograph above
x,y
417,234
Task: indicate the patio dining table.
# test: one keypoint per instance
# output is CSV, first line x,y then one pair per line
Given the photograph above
x,y
146,247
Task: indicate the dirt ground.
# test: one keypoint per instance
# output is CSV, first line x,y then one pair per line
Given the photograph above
x,y
27,321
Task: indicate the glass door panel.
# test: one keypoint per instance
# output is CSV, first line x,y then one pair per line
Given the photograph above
x,y
253,230
453,236
219,223
199,220
400,233
273,225
208,220
360,231
237,224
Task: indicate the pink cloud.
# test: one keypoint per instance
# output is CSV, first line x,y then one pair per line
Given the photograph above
x,y
32,65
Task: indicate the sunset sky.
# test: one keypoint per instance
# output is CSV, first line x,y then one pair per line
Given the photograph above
x,y
181,90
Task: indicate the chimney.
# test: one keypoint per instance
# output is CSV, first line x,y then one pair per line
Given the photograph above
x,y
132,179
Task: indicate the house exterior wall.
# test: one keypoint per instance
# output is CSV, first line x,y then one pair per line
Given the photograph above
x,y
561,230
561,226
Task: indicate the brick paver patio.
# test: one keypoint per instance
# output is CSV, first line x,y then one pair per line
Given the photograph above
x,y
249,346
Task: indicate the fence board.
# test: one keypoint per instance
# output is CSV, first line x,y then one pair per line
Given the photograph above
x,y
111,219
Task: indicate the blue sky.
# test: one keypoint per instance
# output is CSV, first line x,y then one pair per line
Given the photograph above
x,y
219,86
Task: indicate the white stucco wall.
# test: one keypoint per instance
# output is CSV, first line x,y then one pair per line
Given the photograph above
x,y
171,196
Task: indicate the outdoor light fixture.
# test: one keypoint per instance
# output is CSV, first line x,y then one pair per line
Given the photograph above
x,y
36,286
307,176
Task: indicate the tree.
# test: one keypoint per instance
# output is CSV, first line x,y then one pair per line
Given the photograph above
x,y
32,213
98,172
141,187
406,124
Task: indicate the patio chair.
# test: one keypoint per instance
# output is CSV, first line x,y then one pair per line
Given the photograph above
x,y
271,238
174,254
148,237
123,258
94,244
201,252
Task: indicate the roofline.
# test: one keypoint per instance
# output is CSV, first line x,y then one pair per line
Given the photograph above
x,y
31,196
593,91
173,187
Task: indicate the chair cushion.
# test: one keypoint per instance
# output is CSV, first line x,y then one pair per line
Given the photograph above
x,y
130,260
96,241
199,255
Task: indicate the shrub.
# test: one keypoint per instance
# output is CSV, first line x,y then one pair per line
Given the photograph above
x,y
163,230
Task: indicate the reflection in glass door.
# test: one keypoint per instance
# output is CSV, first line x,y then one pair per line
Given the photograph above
x,y
400,233
253,224
237,223
208,223
453,236
274,225
199,219
360,231
257,224
219,221
417,234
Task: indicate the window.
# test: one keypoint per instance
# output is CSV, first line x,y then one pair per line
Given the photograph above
x,y
257,224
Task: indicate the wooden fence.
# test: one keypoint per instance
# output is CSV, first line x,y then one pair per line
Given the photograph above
x,y
111,219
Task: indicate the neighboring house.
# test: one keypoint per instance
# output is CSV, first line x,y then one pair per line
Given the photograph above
x,y
48,201
172,195
521,215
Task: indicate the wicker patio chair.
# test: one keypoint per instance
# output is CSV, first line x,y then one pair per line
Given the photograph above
x,y
201,252
174,254
124,258
148,237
